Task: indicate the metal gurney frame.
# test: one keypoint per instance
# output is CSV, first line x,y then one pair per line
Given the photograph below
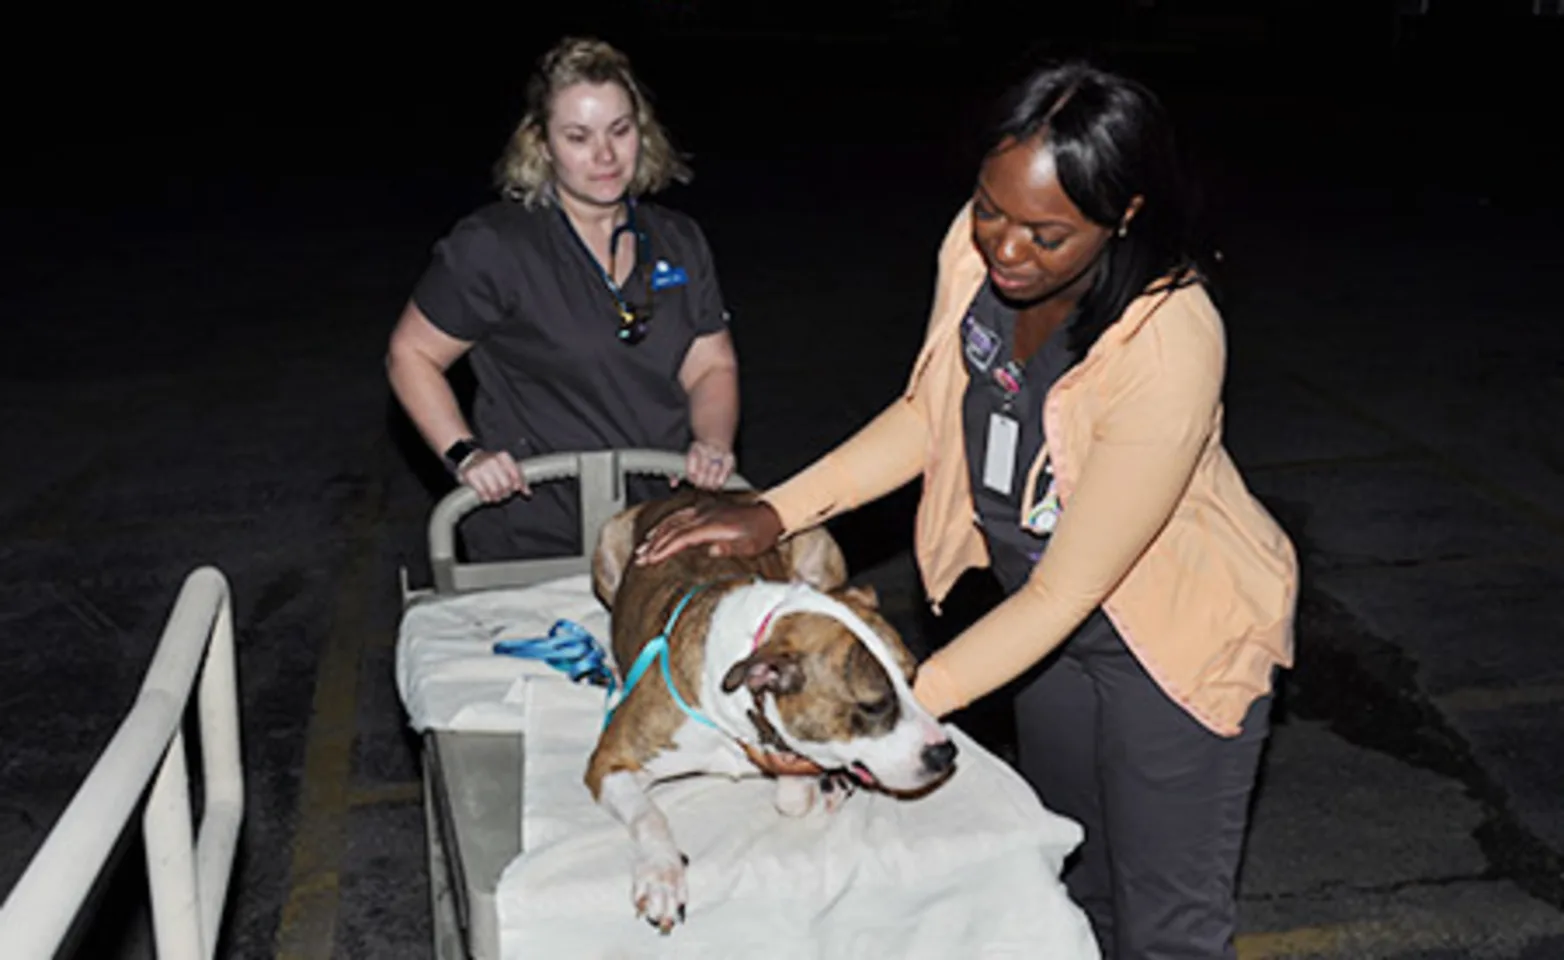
x,y
472,782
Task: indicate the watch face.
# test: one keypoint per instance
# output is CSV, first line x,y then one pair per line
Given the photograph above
x,y
459,451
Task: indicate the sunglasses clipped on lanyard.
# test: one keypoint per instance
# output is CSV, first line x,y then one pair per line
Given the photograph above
x,y
635,320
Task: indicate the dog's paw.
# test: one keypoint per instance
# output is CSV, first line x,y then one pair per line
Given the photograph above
x,y
836,787
658,887
795,795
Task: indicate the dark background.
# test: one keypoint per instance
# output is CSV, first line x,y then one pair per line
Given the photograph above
x,y
211,219
185,115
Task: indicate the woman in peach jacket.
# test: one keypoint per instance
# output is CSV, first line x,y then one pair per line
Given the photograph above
x,y
1064,415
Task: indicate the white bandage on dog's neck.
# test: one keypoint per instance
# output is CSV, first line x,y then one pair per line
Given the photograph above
x,y
803,598
734,625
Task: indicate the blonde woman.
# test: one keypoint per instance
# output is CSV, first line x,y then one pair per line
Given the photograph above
x,y
592,316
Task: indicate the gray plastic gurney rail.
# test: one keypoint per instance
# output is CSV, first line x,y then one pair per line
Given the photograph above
x,y
472,782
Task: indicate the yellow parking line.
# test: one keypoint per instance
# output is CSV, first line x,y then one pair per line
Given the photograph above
x,y
307,929
1398,933
309,917
387,793
1477,699
1292,944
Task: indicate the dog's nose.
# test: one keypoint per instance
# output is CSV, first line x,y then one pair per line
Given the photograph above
x,y
938,757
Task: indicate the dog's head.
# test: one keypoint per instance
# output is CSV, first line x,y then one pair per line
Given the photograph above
x,y
833,678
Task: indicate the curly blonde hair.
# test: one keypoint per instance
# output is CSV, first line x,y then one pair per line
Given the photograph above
x,y
524,173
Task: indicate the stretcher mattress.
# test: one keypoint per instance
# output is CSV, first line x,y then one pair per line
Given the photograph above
x,y
970,870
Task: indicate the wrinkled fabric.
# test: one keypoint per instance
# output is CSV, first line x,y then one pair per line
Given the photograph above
x,y
971,869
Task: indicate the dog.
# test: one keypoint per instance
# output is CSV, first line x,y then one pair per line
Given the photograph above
x,y
771,655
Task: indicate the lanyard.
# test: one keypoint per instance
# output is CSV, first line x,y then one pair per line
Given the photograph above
x,y
629,226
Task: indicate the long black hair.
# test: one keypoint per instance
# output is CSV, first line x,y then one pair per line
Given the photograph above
x,y
1111,141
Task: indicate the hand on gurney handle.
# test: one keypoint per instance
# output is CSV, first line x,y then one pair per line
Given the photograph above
x,y
707,466
493,475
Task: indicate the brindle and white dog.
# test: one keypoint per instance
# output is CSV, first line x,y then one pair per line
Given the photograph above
x,y
771,653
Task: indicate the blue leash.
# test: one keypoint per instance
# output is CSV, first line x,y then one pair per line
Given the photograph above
x,y
568,648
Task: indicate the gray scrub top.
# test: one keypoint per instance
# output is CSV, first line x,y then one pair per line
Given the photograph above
x,y
552,373
996,384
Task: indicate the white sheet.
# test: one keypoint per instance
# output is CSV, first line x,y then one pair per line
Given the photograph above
x,y
449,677
969,871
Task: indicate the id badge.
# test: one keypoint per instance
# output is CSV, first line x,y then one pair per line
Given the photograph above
x,y
999,462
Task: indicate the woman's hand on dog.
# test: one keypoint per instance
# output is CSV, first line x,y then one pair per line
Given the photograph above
x,y
726,529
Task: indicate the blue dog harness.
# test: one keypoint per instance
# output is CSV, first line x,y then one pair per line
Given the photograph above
x,y
657,649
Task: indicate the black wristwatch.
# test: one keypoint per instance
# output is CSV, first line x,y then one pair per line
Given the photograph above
x,y
458,452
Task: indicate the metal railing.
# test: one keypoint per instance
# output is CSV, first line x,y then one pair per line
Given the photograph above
x,y
187,874
601,475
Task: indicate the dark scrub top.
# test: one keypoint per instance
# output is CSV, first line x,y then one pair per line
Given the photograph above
x,y
552,373
988,348
995,384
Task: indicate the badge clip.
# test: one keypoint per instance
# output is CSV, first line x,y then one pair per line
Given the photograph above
x,y
1009,378
1044,515
1042,518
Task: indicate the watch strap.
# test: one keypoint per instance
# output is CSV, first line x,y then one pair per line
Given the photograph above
x,y
457,453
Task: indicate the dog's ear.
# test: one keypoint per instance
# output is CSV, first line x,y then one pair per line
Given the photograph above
x,y
814,557
762,671
864,594
615,543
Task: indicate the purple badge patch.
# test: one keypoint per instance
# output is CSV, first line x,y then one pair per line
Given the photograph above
x,y
981,343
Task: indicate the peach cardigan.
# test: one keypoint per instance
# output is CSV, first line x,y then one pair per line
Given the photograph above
x,y
1157,526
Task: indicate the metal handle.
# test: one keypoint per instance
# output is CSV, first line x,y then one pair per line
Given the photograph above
x,y
601,474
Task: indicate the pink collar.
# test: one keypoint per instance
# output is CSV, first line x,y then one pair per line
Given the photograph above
x,y
765,622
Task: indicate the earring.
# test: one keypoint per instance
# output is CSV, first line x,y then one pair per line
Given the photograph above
x,y
1124,229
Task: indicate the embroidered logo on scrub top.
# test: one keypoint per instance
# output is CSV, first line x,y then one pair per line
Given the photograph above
x,y
665,275
981,343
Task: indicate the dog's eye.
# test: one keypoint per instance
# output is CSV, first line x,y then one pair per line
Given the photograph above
x,y
878,708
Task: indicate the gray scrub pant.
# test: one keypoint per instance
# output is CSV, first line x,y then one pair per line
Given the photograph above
x,y
1164,801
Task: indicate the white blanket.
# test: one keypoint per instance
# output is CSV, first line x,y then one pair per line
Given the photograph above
x,y
447,672
968,871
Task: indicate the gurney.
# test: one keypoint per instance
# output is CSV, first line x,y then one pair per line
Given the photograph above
x,y
522,864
